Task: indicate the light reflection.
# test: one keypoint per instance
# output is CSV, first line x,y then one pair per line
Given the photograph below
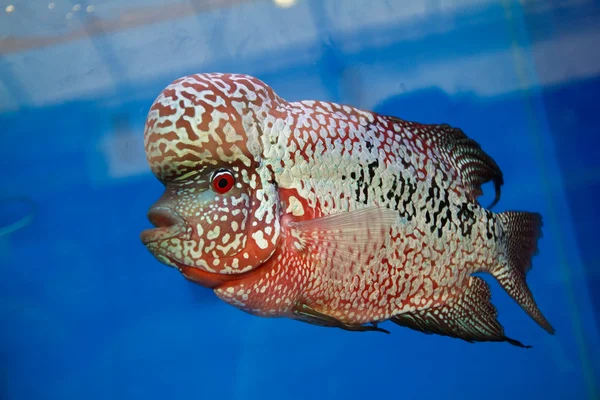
x,y
76,7
51,6
284,3
69,15
89,8
10,8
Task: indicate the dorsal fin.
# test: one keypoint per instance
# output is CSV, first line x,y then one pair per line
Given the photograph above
x,y
476,166
465,155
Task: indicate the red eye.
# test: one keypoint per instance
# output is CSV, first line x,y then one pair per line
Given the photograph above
x,y
222,181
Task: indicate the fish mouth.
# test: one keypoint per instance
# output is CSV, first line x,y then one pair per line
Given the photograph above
x,y
167,224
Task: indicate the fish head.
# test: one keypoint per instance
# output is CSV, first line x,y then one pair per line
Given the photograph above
x,y
218,218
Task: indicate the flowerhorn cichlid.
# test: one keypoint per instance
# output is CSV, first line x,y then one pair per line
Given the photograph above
x,y
329,214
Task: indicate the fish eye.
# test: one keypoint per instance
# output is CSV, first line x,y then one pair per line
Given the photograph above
x,y
222,181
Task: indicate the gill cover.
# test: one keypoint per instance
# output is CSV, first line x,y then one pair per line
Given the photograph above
x,y
218,216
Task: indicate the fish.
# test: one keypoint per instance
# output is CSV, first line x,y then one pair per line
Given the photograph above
x,y
332,215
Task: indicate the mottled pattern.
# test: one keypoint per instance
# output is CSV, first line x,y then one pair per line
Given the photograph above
x,y
300,161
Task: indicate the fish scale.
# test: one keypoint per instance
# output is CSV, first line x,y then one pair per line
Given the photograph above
x,y
339,217
358,311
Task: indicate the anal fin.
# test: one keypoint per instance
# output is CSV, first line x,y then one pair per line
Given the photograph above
x,y
470,316
304,313
522,230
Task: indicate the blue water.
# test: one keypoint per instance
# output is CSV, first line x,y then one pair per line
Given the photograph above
x,y
87,313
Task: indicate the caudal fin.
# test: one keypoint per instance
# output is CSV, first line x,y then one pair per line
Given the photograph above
x,y
522,231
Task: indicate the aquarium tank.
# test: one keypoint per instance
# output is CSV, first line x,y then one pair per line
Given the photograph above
x,y
87,312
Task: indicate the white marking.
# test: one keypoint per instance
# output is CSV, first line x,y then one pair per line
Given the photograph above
x,y
260,240
213,234
295,207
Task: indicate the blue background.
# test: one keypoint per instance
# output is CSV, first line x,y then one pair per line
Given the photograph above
x,y
87,312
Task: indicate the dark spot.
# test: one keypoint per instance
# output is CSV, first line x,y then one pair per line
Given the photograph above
x,y
361,186
372,167
392,191
431,192
444,204
466,219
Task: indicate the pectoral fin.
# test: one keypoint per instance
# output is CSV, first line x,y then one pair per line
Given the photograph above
x,y
343,245
304,313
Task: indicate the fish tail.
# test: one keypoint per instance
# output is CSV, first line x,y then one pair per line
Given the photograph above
x,y
522,231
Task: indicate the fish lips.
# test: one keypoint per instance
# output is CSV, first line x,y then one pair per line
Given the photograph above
x,y
168,224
